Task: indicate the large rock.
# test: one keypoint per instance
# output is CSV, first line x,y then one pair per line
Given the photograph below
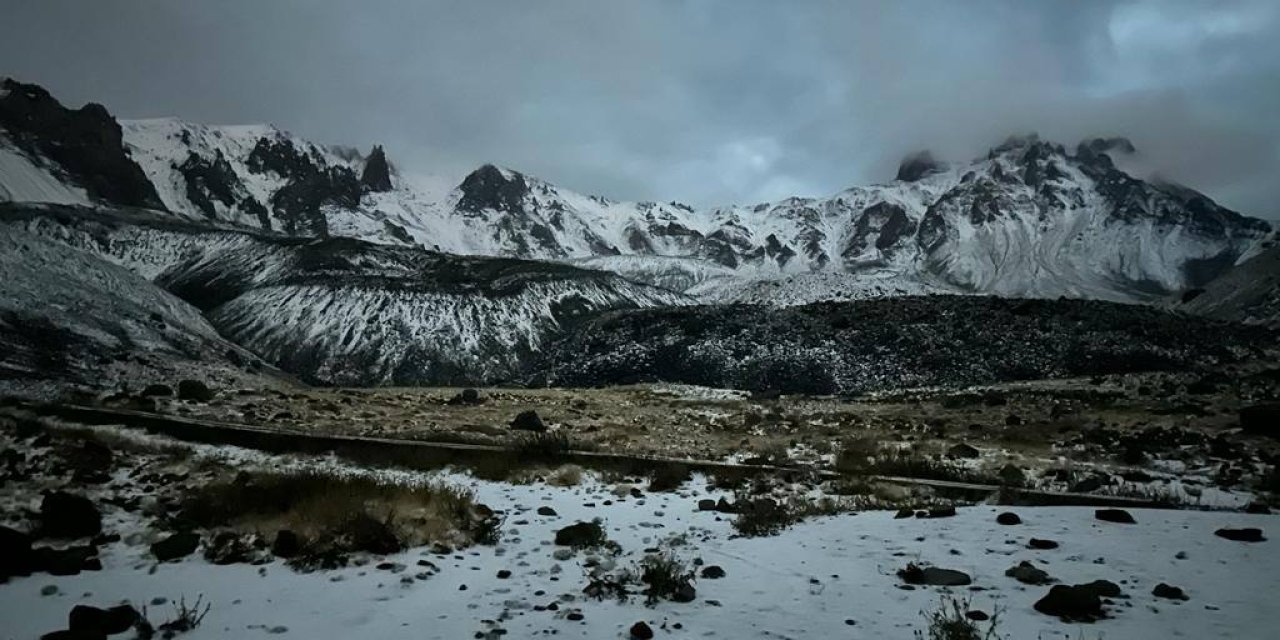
x,y
581,534
1248,534
176,546
1027,573
16,557
105,622
1119,516
1071,603
194,390
528,421
68,515
934,576
1261,419
67,562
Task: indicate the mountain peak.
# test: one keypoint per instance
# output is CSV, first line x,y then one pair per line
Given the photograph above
x,y
492,188
377,172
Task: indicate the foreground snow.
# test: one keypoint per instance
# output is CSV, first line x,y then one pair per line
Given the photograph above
x,y
833,577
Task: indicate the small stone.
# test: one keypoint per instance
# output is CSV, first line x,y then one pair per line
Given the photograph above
x,y
49,590
1038,543
1241,535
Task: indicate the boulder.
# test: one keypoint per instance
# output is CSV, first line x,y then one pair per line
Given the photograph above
x,y
1027,573
68,515
1041,544
1119,516
1248,534
102,622
933,576
194,390
157,391
466,397
963,450
1261,419
641,631
580,534
1008,518
176,546
706,504
712,572
286,544
528,421
1169,592
1071,603
16,556
66,562
941,512
548,511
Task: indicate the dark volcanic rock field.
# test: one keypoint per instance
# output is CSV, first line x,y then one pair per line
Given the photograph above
x,y
852,347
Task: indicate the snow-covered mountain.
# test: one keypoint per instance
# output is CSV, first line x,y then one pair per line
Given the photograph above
x,y
331,310
1031,218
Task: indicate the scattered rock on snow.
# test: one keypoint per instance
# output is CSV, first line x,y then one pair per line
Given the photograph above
x,y
1169,592
641,631
1119,516
1028,573
92,621
68,515
1248,534
1042,544
1071,603
933,576
1008,518
964,450
712,572
176,546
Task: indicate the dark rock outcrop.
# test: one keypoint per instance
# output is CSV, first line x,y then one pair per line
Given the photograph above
x,y
377,171
488,188
1118,516
86,143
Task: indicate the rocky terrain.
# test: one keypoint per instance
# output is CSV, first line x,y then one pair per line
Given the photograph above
x,y
1249,292
891,343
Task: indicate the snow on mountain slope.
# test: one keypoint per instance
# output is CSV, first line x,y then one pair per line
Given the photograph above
x,y
343,311
1031,218
22,180
66,315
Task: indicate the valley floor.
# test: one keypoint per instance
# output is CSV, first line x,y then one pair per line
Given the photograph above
x,y
832,577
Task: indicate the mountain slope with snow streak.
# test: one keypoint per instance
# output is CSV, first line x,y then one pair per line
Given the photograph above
x,y
344,311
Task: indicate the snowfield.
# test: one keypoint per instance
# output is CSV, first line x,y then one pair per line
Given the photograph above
x,y
833,577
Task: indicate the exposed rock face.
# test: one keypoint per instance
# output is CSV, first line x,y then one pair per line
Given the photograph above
x,y
86,143
490,188
377,171
310,185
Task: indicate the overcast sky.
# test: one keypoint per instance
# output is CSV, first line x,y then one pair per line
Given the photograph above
x,y
703,101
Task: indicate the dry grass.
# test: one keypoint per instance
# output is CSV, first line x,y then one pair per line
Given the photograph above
x,y
321,507
569,475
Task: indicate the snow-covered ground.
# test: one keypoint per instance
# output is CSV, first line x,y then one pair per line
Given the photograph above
x,y
826,578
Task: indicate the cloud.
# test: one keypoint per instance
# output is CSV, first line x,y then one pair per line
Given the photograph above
x,y
706,102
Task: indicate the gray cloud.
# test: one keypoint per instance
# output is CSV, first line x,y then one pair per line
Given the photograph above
x,y
702,101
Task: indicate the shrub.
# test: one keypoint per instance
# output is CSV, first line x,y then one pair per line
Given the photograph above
x,y
542,446
856,455
767,517
335,514
569,475
666,578
950,621
184,619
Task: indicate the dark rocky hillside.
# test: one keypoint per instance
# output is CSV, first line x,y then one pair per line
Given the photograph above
x,y
838,348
